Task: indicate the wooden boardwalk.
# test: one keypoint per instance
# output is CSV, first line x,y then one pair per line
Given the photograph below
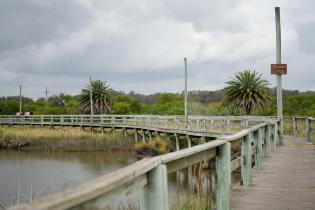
x,y
285,182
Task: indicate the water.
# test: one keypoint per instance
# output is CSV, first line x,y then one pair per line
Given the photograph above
x,y
27,174
39,173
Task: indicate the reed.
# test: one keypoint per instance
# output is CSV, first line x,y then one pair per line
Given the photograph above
x,y
65,139
202,201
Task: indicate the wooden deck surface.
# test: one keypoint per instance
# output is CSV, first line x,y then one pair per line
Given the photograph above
x,y
286,181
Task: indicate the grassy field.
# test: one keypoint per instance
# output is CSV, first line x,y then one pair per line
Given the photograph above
x,y
64,139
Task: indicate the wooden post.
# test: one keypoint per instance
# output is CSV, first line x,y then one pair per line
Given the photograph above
x,y
268,144
247,157
177,141
189,141
136,135
275,135
259,149
143,136
308,129
150,136
157,190
202,139
223,200
294,124
42,120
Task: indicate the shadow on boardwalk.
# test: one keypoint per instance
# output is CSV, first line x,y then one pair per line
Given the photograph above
x,y
286,181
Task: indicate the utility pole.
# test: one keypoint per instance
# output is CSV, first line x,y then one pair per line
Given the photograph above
x,y
185,93
20,99
91,99
279,69
46,98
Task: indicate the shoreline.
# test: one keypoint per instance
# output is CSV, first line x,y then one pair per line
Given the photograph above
x,y
62,139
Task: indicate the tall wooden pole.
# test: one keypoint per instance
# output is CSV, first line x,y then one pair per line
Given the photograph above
x,y
91,99
279,76
186,112
20,98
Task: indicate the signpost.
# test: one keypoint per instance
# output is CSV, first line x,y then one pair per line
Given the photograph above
x,y
279,69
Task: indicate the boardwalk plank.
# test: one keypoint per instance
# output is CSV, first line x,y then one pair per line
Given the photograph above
x,y
285,182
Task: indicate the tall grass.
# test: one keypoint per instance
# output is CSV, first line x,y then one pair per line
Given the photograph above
x,y
69,139
202,201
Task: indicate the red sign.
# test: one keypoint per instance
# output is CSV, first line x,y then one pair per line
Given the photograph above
x,y
278,69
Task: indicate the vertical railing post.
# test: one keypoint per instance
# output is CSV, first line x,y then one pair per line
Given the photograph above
x,y
247,160
223,200
177,141
308,129
41,120
268,144
259,148
136,135
157,190
294,124
165,121
280,132
189,141
275,135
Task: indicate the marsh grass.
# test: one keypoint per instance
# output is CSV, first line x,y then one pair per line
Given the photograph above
x,y
158,145
203,201
65,139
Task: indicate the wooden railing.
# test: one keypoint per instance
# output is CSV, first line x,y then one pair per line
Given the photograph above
x,y
195,123
300,126
147,179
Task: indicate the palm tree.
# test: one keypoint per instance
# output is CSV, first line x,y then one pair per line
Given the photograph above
x,y
102,98
247,90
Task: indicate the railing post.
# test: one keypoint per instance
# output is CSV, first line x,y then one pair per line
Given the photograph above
x,y
189,141
157,190
280,131
275,136
41,120
165,119
268,144
177,141
308,129
294,124
136,135
247,160
259,148
223,200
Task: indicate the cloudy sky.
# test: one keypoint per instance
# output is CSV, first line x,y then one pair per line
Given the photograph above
x,y
140,44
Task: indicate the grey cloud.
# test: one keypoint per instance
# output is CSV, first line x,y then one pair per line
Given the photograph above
x,y
140,45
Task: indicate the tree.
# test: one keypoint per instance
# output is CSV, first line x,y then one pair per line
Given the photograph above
x,y
247,90
102,98
121,108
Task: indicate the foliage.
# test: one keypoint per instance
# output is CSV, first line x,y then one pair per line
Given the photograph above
x,y
247,90
102,98
63,139
157,144
199,103
202,201
122,108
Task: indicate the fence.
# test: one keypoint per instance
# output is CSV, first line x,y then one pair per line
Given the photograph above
x,y
148,177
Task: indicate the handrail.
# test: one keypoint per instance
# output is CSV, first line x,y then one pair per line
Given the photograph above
x,y
149,176
224,124
308,126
